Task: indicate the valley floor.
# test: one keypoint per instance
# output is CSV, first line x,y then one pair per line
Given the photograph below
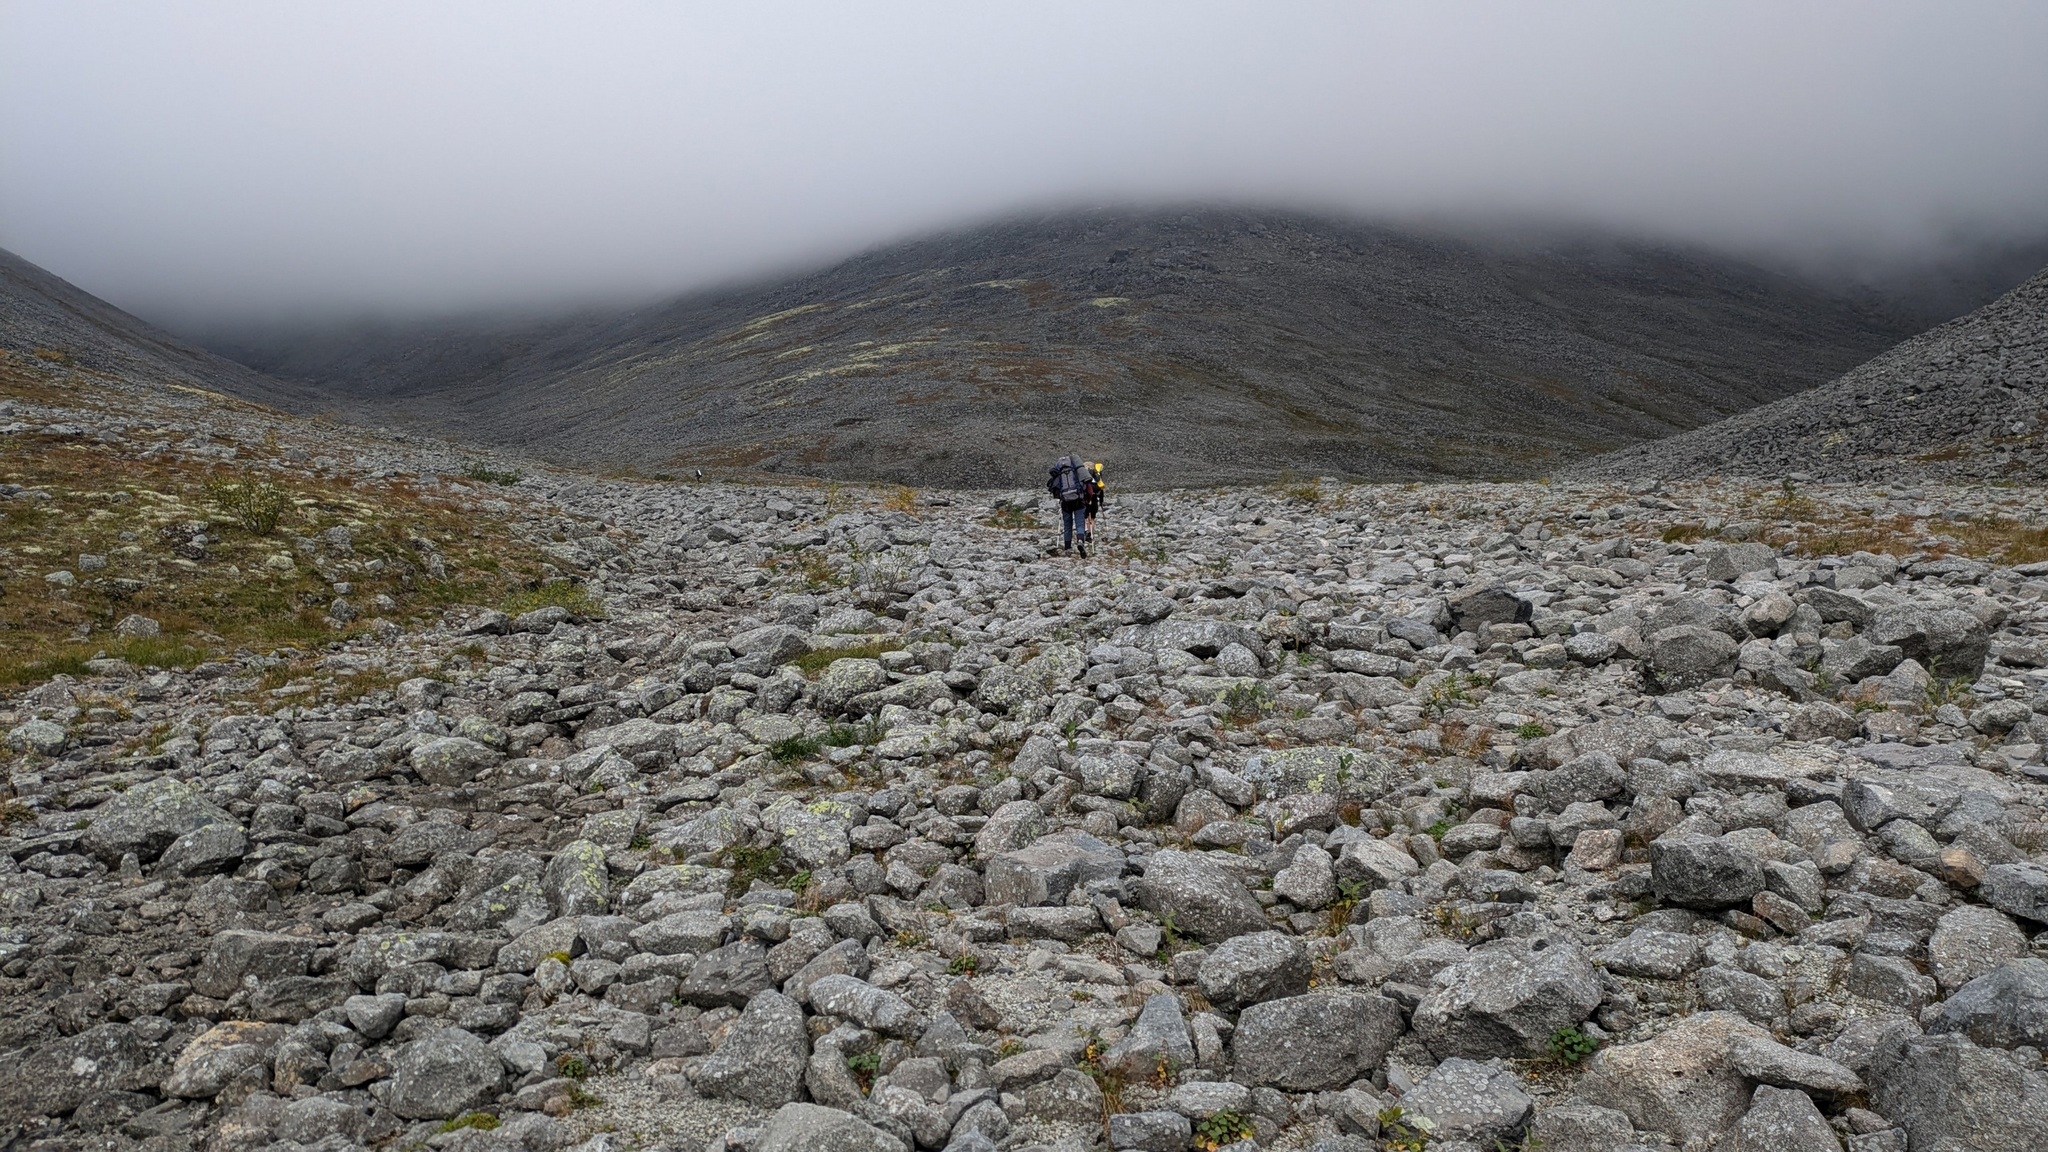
x,y
470,805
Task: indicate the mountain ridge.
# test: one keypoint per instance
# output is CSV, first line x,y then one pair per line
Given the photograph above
x,y
1187,347
1967,399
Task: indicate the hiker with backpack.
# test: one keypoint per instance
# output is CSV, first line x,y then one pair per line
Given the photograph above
x,y
1068,483
1093,473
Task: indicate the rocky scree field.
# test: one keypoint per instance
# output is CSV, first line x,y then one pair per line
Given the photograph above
x,y
814,817
1967,400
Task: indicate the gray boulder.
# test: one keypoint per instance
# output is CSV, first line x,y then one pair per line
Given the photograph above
x,y
1144,606
444,1074
1374,863
1969,941
502,891
1580,1127
1472,1101
1309,882
1689,655
1160,1037
866,1005
811,1128
1782,1120
1592,776
237,953
1314,1043
577,881
1950,642
1682,1082
451,761
764,1055
1508,998
844,680
1857,659
1949,1093
147,818
1651,953
59,1076
2003,1008
728,975
695,932
205,851
1203,900
1149,1132
778,642
1834,606
219,1056
1049,868
2018,889
1477,605
1704,872
1727,563
1253,968
1769,1062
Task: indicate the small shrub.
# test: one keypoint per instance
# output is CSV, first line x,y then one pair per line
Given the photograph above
x,y
965,964
793,749
1220,1129
255,503
749,864
1531,731
481,1121
571,1065
1437,830
1400,1132
1109,1080
477,470
1248,700
1571,1045
864,1066
1349,893
1009,517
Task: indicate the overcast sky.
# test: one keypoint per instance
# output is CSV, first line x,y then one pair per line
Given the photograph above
x,y
203,163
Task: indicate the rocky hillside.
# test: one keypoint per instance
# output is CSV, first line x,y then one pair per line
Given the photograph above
x,y
45,317
1967,400
1333,818
1184,347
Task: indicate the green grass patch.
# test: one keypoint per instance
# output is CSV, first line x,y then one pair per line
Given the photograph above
x,y
794,748
812,663
748,865
554,594
142,651
478,470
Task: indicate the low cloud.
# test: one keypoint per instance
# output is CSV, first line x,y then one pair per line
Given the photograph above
x,y
227,163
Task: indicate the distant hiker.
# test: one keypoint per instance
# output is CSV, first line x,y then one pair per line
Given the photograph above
x,y
1068,483
1093,472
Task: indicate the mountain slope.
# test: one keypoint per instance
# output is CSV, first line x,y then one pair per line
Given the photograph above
x,y
41,314
1965,400
1184,347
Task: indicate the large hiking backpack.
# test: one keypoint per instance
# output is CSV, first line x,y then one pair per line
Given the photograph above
x,y
1069,481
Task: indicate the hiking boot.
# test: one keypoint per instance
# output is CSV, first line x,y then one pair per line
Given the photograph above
x,y
1082,549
